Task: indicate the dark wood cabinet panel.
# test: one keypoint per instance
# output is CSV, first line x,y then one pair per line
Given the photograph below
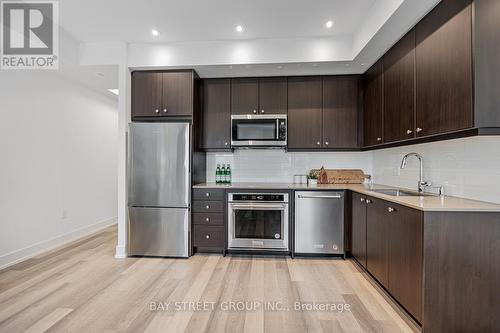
x,y
377,234
358,228
216,114
208,236
208,206
208,218
146,94
340,111
273,95
399,90
444,68
177,93
208,194
304,112
373,105
244,96
405,258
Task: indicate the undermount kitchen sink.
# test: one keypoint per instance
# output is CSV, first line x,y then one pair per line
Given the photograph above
x,y
401,193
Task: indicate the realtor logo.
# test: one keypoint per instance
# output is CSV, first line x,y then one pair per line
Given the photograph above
x,y
29,33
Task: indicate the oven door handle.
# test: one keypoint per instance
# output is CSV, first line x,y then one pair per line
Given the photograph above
x,y
258,206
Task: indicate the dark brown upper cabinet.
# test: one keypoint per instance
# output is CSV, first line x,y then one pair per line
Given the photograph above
x,y
146,94
162,94
216,127
444,69
245,96
373,105
304,112
399,90
340,112
358,228
272,95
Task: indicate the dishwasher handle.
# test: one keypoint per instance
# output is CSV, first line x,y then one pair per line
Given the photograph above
x,y
337,196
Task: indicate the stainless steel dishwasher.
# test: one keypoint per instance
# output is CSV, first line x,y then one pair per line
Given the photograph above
x,y
319,222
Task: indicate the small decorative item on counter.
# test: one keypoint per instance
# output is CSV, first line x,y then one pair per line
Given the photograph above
x,y
340,176
218,178
312,177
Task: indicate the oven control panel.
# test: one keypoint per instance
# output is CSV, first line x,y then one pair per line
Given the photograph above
x,y
259,197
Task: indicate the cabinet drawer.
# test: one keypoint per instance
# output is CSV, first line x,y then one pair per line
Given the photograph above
x,y
208,194
208,236
208,218
208,206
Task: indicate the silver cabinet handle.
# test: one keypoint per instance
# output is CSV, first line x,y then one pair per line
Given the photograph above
x,y
318,143
419,130
409,131
300,196
391,210
157,111
207,194
226,143
368,201
207,219
254,111
165,110
262,111
208,207
326,143
362,199
379,139
207,236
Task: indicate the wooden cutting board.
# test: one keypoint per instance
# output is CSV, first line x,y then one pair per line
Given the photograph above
x,y
340,176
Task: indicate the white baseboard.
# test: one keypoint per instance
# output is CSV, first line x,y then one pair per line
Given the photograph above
x,y
121,252
17,256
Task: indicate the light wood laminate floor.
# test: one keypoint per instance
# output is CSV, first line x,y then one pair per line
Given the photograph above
x,y
83,288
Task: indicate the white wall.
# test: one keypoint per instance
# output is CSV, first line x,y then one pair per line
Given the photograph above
x,y
276,166
468,167
58,162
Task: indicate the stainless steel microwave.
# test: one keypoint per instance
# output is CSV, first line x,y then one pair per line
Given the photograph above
x,y
259,131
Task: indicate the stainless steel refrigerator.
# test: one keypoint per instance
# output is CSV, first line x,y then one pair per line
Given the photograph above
x,y
159,189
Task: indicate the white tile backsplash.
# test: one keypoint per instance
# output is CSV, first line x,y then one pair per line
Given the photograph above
x,y
468,167
277,166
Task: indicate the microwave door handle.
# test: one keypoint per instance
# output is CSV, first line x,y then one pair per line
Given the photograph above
x,y
277,129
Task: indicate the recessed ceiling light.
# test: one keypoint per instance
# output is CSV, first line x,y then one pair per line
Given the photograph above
x,y
114,91
239,28
329,24
155,32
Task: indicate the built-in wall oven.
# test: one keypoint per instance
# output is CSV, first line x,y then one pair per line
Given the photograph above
x,y
258,221
259,130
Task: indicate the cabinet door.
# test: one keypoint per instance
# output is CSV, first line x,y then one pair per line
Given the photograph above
x,y
272,95
405,258
216,114
146,94
340,112
444,68
177,93
244,96
373,105
399,90
304,112
358,228
377,228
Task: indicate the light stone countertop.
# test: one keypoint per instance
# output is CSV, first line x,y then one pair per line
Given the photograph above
x,y
424,203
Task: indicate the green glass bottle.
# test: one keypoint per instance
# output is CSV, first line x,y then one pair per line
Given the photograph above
x,y
228,174
223,174
217,174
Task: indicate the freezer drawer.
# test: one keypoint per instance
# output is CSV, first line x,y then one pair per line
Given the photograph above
x,y
319,222
162,232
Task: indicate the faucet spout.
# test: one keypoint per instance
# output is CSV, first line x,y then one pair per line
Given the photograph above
x,y
421,183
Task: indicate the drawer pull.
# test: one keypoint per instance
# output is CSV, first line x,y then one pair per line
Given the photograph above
x,y
207,194
368,201
207,207
362,199
391,210
207,236
207,219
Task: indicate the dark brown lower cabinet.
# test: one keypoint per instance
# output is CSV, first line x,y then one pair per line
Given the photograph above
x,y
209,220
358,228
405,257
377,234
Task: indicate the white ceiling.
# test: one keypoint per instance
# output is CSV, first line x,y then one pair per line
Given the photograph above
x,y
208,20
